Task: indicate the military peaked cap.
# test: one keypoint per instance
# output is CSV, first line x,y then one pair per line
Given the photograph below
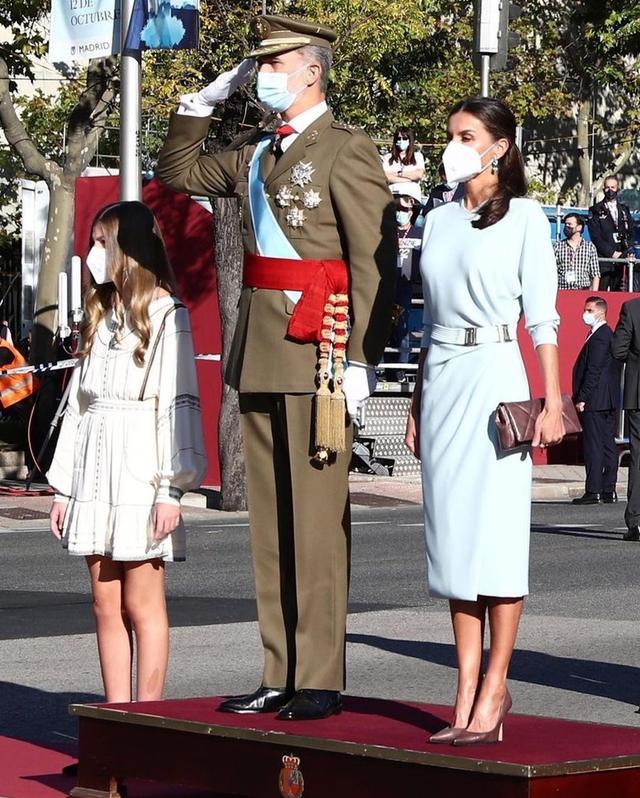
x,y
280,34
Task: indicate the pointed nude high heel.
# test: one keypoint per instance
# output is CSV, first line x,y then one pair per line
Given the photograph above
x,y
493,735
447,735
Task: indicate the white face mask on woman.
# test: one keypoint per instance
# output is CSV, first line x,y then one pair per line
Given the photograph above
x,y
97,264
462,162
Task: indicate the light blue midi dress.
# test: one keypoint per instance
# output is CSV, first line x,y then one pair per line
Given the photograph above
x,y
477,500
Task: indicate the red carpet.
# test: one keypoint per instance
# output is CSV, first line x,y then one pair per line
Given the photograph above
x,y
527,740
28,770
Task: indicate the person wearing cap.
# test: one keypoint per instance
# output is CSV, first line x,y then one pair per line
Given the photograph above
x,y
408,200
318,278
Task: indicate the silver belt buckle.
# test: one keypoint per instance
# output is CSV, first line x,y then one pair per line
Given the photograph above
x,y
506,335
470,336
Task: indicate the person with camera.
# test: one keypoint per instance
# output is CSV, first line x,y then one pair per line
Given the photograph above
x,y
611,230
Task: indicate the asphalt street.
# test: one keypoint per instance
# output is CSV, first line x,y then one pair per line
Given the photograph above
x,y
577,654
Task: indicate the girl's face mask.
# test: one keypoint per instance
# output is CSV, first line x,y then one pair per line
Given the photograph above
x,y
97,264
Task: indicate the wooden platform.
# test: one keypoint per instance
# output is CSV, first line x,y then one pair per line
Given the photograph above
x,y
374,749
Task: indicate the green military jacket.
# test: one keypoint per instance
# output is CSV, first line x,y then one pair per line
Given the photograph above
x,y
354,220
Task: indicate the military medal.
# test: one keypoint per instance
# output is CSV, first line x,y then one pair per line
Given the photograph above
x,y
296,217
301,173
284,197
311,198
290,782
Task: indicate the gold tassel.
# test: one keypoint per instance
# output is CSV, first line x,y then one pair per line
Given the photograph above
x,y
323,394
338,401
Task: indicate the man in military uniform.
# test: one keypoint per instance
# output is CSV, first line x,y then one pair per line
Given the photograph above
x,y
611,230
319,233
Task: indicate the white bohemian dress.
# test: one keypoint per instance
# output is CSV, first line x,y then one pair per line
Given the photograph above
x,y
477,501
117,456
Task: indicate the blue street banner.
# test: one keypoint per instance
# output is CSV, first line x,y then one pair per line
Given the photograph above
x,y
83,29
164,25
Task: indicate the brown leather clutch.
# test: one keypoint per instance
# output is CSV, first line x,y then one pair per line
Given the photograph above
x,y
516,421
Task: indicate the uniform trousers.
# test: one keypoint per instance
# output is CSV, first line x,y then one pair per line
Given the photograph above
x,y
300,540
632,511
600,451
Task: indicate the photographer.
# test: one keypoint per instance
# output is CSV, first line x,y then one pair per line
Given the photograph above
x,y
611,230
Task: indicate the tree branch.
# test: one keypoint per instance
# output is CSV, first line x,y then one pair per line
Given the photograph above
x,y
34,162
84,120
620,161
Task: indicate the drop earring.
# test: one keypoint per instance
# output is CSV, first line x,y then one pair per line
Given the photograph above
x,y
494,165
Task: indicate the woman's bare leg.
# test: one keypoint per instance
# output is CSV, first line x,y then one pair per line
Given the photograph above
x,y
112,627
468,629
145,602
504,619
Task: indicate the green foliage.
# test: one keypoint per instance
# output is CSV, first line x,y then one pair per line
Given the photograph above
x,y
21,20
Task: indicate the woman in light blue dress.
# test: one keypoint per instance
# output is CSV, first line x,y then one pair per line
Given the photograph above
x,y
485,261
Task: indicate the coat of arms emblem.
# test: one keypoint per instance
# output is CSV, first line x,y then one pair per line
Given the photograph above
x,y
290,782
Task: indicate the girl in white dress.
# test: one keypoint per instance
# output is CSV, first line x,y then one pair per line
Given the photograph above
x,y
130,445
485,261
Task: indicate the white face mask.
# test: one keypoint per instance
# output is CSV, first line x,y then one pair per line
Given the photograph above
x,y
462,162
402,144
589,318
403,217
273,89
97,264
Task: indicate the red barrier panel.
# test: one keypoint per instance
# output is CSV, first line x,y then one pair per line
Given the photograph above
x,y
572,335
187,229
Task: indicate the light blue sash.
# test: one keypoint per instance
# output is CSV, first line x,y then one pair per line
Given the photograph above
x,y
270,238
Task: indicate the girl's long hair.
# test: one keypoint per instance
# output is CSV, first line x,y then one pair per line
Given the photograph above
x,y
500,122
407,157
137,262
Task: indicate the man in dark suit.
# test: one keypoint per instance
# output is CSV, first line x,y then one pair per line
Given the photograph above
x,y
626,348
596,393
611,230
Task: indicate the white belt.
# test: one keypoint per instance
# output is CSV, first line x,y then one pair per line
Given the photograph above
x,y
472,336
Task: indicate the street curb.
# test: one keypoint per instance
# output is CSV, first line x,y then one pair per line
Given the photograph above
x,y
568,491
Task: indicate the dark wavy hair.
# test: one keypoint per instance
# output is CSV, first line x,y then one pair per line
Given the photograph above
x,y
500,122
407,157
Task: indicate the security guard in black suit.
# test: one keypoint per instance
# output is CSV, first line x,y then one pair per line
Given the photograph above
x,y
611,230
596,394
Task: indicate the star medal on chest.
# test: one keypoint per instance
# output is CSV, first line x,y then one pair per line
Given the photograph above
x,y
311,198
301,173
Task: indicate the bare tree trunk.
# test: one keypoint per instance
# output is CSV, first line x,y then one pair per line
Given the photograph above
x,y
85,124
228,252
584,153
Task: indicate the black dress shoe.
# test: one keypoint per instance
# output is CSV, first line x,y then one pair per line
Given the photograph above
x,y
588,498
70,770
609,497
311,705
633,533
265,699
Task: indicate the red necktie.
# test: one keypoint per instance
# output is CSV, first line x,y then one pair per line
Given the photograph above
x,y
285,130
281,133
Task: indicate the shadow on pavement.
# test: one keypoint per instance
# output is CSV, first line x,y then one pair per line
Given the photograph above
x,y
31,714
589,677
576,532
